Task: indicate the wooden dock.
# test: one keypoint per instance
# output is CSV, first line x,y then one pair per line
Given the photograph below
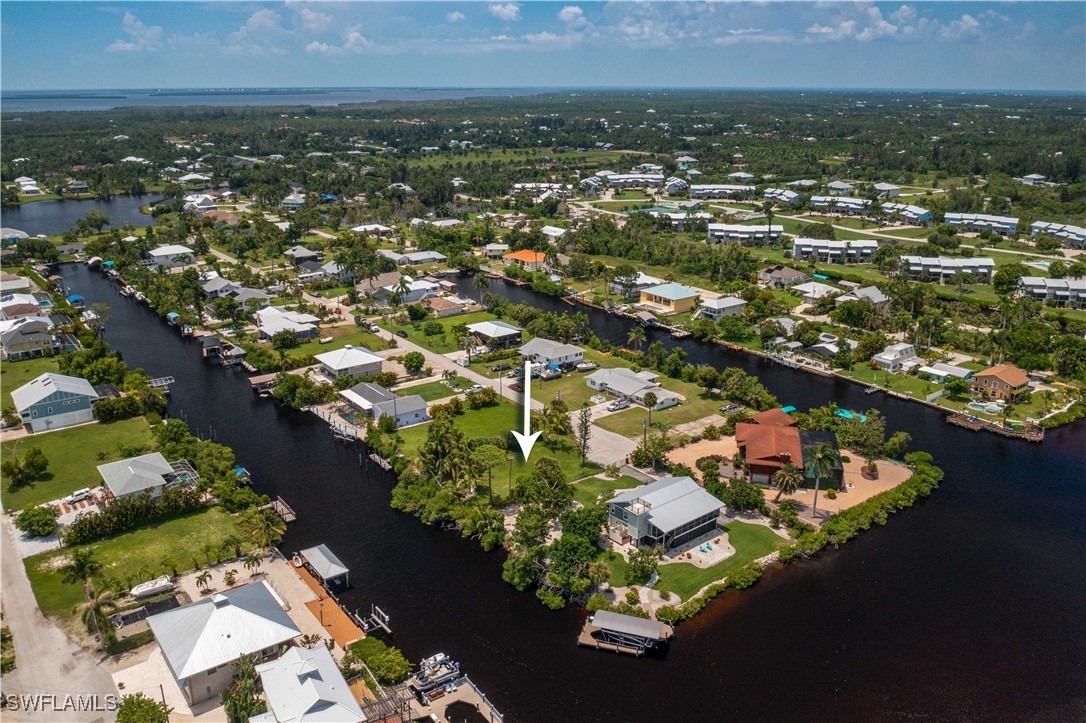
x,y
282,509
976,424
585,640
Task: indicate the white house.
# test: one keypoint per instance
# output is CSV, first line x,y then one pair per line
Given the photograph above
x,y
812,291
554,233
293,201
977,222
552,353
373,229
273,319
887,190
723,306
496,334
170,255
405,410
782,196
720,190
840,204
1073,236
410,292
495,250
305,684
631,287
624,383
1061,292
869,294
353,361
53,401
722,232
834,251
145,473
915,215
897,357
664,513
838,188
942,267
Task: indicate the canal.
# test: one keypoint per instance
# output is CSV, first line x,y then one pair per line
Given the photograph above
x,y
55,217
966,606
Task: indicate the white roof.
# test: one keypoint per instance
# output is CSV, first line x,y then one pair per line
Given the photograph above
x,y
347,357
673,501
321,559
49,383
724,302
553,231
170,250
815,289
549,348
218,630
493,329
367,227
306,685
135,474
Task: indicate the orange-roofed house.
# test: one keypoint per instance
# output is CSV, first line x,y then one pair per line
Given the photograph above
x,y
1005,381
767,448
774,417
526,259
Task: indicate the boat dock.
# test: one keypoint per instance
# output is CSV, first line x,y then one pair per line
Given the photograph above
x,y
976,424
282,509
626,634
337,623
262,382
456,703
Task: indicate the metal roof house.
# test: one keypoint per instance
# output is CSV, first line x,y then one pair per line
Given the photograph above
x,y
630,287
272,319
841,204
626,384
1002,225
915,215
720,190
354,361
411,409
669,298
833,251
723,306
305,685
720,232
364,395
1073,236
942,267
200,640
146,473
667,512
170,255
54,401
497,334
326,565
552,353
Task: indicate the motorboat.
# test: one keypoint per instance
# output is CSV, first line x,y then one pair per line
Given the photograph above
x,y
435,672
153,587
587,366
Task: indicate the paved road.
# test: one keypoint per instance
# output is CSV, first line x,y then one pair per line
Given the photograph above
x,y
46,661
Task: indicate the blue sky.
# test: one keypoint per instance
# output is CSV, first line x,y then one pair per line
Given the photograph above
x,y
984,45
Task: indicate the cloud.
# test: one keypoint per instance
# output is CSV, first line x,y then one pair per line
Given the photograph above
x,y
141,37
314,21
509,12
454,17
966,27
572,15
353,42
259,23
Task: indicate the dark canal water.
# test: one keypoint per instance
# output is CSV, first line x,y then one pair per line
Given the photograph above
x,y
968,606
56,217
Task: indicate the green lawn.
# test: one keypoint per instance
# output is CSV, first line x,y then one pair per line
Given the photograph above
x,y
497,422
334,292
616,564
342,336
750,542
571,386
587,491
180,538
429,391
629,423
913,232
440,343
73,458
15,374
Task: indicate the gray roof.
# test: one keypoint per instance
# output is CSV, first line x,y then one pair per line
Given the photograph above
x,y
135,474
401,405
218,630
49,383
640,627
621,380
493,329
673,501
326,564
306,685
216,284
372,393
869,293
244,294
300,252
549,348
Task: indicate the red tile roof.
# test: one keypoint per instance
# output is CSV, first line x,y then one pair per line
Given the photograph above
x,y
527,256
774,417
1007,373
762,444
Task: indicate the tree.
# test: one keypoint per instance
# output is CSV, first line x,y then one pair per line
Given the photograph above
x,y
263,526
233,543
957,387
97,608
650,402
203,580
230,577
413,361
642,564
138,708
38,521
252,564
823,462
82,568
897,444
787,480
240,701
636,337
584,430
100,319
20,472
1005,278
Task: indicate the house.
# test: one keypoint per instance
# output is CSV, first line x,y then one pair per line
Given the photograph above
x,y
677,219
675,185
273,319
364,395
54,401
634,180
1033,179
897,357
147,473
720,190
407,290
1004,381
415,258
12,284
670,298
833,251
334,271
941,372
716,308
293,201
405,410
838,188
201,640
782,196
812,291
170,255
915,215
526,259
771,440
650,168
942,267
721,232
554,233
1072,236
371,285
838,204
193,178
373,229
780,277
552,354
624,383
977,222
887,190
591,186
1058,292
741,176
870,294
495,250
667,512
300,254
200,203
27,337
403,188
305,684
352,361
685,160
496,334
250,299
78,187
217,286
803,183
630,287
443,306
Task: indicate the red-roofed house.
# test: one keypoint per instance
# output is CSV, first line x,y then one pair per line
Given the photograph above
x,y
1005,381
526,259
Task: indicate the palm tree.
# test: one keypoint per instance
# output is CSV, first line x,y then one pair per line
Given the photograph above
x,y
823,462
481,282
252,564
209,548
650,402
787,479
232,542
97,609
168,565
230,577
263,526
636,337
82,568
203,580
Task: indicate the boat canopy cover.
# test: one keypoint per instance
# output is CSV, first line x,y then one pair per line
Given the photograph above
x,y
324,562
628,624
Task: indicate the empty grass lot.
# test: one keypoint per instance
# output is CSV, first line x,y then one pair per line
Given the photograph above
x,y
429,391
341,337
439,343
587,491
750,542
629,422
16,374
73,458
180,539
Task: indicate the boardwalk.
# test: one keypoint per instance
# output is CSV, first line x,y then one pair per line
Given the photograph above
x,y
336,622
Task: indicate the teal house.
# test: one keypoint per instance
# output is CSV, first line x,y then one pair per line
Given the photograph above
x,y
54,401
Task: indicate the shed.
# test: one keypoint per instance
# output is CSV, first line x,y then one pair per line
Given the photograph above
x,y
326,565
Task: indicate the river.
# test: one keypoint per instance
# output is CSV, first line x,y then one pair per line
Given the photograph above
x,y
966,606
55,217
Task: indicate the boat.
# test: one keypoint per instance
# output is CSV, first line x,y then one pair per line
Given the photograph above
x,y
141,297
187,330
297,560
587,366
152,587
435,672
127,291
94,262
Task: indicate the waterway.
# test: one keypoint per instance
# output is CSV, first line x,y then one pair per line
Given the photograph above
x,y
967,606
55,217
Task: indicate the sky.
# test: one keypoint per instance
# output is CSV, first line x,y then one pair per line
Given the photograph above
x,y
757,44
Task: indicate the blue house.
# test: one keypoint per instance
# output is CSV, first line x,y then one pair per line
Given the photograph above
x,y
54,401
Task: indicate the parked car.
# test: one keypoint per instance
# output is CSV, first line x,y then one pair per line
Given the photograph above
x,y
516,387
374,328
79,495
402,334
475,388
618,405
501,367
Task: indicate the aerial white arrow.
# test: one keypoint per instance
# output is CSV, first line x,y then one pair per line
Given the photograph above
x,y
527,439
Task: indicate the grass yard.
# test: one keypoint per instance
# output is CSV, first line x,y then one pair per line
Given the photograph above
x,y
342,336
429,391
15,374
334,292
180,539
750,542
629,423
572,387
587,491
616,564
73,458
911,233
497,422
440,343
